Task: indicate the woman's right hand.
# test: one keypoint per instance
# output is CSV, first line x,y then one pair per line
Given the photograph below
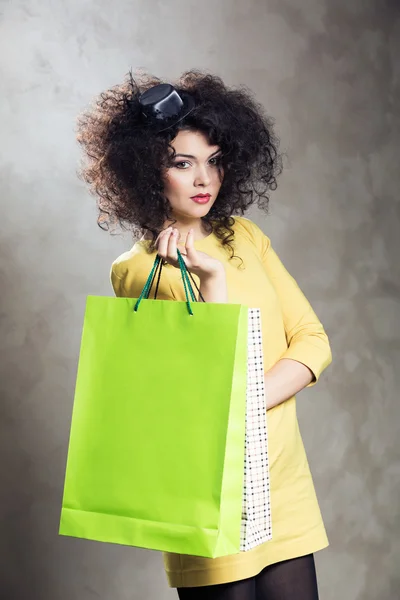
x,y
198,263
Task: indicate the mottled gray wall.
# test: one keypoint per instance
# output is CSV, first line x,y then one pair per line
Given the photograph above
x,y
328,70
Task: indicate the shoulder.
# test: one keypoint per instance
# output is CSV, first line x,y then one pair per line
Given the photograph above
x,y
247,229
135,260
130,271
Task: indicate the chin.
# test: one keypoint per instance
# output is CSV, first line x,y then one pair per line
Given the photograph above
x,y
197,212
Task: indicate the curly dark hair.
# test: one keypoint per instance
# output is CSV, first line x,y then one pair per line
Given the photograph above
x,y
125,160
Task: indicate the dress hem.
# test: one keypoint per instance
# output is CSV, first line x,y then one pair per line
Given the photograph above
x,y
242,570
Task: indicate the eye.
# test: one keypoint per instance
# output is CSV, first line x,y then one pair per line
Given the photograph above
x,y
178,165
216,159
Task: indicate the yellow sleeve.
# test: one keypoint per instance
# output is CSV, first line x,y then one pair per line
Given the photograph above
x,y
128,276
117,284
306,337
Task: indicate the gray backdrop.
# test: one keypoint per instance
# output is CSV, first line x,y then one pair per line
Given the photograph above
x,y
328,70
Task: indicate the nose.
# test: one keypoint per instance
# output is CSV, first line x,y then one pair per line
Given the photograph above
x,y
202,176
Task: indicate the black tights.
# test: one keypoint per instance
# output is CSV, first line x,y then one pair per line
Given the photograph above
x,y
293,579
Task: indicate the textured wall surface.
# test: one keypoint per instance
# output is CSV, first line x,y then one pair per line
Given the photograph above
x,y
328,70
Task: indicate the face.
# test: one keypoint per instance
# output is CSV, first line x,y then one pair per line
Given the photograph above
x,y
195,171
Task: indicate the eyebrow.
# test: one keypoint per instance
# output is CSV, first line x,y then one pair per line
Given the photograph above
x,y
193,157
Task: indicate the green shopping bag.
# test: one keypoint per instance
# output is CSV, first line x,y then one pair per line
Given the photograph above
x,y
156,450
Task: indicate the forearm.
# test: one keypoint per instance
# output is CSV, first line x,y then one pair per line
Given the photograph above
x,y
285,379
214,289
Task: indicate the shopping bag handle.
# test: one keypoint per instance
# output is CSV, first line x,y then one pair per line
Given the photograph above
x,y
157,267
184,272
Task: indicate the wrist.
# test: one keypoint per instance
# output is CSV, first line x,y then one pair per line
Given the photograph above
x,y
214,288
216,274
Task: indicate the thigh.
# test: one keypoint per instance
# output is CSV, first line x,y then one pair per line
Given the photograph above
x,y
288,580
236,590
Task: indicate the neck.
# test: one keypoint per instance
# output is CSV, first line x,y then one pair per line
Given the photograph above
x,y
183,226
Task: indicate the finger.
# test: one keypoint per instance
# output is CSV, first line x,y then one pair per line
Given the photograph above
x,y
163,243
172,253
162,233
190,249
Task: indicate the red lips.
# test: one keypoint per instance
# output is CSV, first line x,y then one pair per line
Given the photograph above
x,y
201,198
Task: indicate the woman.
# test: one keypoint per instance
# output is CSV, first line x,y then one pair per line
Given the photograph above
x,y
176,164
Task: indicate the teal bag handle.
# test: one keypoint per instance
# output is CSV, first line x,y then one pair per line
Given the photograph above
x,y
186,282
157,266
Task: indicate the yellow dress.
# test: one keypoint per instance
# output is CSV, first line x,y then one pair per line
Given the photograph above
x,y
290,329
